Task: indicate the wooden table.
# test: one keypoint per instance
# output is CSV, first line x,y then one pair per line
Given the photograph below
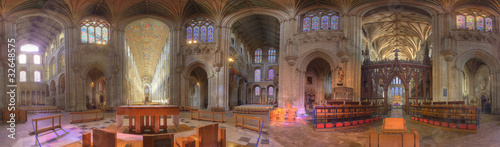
x,y
139,112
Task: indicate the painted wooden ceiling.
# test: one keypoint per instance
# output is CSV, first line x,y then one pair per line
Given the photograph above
x,y
146,38
258,31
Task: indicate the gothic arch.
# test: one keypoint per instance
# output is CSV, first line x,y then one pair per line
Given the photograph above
x,y
196,64
460,60
95,64
229,20
361,10
317,53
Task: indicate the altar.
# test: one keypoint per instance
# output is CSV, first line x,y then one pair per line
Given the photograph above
x,y
142,114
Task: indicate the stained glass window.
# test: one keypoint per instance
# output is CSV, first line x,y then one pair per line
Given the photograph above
x,y
84,34
470,22
146,90
271,91
257,75
93,31
324,23
258,55
315,23
104,35
460,22
91,35
480,23
489,24
196,32
400,90
98,35
36,59
270,74
200,30
393,91
257,90
271,55
335,22
189,33
38,77
29,48
307,24
22,76
210,34
203,34
22,59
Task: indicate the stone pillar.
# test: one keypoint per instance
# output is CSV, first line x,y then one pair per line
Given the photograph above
x,y
495,95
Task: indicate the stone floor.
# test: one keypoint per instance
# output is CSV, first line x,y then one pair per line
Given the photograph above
x,y
275,134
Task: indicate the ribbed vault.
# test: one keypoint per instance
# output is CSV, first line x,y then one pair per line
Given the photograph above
x,y
37,30
258,31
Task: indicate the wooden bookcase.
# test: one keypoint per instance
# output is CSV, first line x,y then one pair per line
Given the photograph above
x,y
451,116
333,117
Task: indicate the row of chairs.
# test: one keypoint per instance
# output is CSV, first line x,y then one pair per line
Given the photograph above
x,y
43,109
251,110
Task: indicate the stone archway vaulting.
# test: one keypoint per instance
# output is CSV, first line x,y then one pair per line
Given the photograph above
x,y
184,100
493,64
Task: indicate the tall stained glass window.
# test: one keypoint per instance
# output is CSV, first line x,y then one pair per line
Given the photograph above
x,y
315,23
470,22
270,75
105,35
196,32
258,55
489,24
22,59
271,91
91,35
321,19
200,30
257,90
324,23
84,34
22,76
271,55
36,59
189,33
480,23
257,75
203,34
38,76
335,22
306,24
98,35
393,91
94,31
146,90
460,22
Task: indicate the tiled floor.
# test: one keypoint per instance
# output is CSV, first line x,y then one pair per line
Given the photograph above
x,y
275,134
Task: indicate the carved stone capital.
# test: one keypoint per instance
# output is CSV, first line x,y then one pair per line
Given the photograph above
x,y
344,56
448,54
179,68
291,60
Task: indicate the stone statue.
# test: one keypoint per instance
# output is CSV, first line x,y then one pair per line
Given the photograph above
x,y
341,75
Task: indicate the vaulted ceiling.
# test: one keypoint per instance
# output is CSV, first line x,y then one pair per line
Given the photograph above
x,y
258,31
403,28
146,38
37,30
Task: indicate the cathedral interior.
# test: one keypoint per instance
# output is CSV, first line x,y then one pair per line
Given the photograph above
x,y
300,72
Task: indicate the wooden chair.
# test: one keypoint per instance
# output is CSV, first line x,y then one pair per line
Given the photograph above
x,y
104,138
206,136
158,140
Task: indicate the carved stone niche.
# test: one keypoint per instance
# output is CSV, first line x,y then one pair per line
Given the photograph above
x,y
291,60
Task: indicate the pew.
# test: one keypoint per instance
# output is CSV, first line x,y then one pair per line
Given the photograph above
x,y
206,136
104,138
53,127
94,116
42,109
21,116
158,140
86,139
196,116
242,124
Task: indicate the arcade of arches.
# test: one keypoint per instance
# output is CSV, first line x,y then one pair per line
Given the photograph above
x,y
83,55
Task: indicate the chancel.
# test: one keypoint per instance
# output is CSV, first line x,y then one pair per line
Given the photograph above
x,y
249,73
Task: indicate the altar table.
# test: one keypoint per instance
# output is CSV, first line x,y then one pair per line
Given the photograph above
x,y
141,112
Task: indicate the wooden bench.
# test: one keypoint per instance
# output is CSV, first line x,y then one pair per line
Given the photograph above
x,y
43,109
95,115
188,108
21,116
153,140
53,127
196,116
242,124
206,136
